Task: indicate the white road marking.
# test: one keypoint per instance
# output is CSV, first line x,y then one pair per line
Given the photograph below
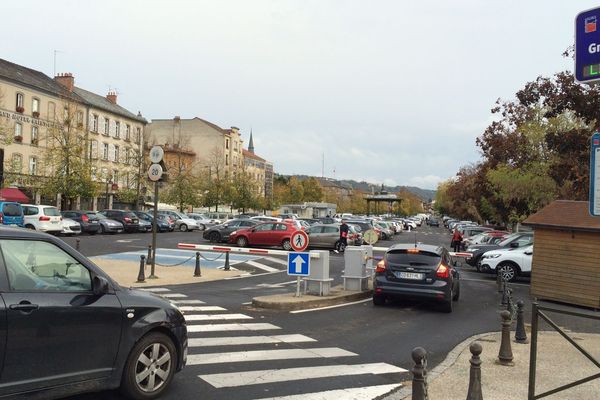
x,y
173,295
328,307
247,303
187,301
261,266
155,289
236,379
216,317
251,275
201,308
264,355
246,340
276,260
363,393
231,327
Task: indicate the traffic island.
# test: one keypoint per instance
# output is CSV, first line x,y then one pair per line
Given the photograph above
x,y
289,301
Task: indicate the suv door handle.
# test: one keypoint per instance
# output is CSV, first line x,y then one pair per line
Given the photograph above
x,y
24,306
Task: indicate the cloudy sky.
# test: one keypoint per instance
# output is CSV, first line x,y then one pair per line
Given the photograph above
x,y
390,92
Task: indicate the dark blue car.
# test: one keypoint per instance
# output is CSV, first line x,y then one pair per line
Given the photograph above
x,y
161,224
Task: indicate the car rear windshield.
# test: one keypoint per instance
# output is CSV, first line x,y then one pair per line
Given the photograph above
x,y
130,215
415,259
12,210
51,212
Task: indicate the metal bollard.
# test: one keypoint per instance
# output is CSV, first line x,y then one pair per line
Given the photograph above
x,y
474,392
504,294
499,282
509,303
226,261
520,334
141,277
77,244
149,256
505,355
197,271
419,383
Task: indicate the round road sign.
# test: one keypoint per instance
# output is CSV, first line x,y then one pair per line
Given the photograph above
x,y
156,154
370,236
299,241
155,172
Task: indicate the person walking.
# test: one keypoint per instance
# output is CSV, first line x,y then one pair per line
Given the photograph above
x,y
343,242
456,240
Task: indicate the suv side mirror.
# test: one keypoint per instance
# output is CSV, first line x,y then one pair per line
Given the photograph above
x,y
99,285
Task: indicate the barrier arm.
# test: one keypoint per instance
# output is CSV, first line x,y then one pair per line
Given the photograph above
x,y
243,250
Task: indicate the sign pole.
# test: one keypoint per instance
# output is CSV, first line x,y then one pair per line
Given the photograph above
x,y
155,215
297,286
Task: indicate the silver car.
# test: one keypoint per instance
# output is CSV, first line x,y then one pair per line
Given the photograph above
x,y
328,236
183,223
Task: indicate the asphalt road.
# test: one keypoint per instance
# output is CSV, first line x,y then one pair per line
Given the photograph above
x,y
373,334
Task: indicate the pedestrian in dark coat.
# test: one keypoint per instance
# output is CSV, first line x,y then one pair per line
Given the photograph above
x,y
456,240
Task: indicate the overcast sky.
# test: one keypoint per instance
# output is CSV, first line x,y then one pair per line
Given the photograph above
x,y
390,92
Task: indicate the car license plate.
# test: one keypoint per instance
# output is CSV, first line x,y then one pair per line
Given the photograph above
x,y
409,275
55,222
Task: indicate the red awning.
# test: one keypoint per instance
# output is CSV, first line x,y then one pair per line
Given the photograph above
x,y
13,194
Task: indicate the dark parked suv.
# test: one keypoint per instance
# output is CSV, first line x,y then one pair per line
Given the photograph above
x,y
129,220
89,222
68,328
514,240
417,271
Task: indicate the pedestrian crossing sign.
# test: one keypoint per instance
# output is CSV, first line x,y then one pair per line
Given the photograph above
x,y
298,264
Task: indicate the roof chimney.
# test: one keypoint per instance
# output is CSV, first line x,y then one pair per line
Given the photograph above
x,y
112,96
67,80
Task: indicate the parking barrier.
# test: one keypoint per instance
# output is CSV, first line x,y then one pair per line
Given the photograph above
x,y
244,250
197,271
141,277
419,381
520,334
77,244
474,391
149,256
505,355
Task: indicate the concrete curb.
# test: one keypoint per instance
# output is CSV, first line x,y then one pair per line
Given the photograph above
x,y
405,392
290,303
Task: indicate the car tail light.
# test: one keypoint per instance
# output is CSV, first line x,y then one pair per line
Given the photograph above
x,y
443,271
44,218
127,219
1,218
381,266
84,218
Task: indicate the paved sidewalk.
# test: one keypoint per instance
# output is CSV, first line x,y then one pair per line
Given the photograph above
x,y
559,363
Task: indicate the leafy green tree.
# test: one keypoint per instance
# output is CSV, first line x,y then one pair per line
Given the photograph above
x,y
313,191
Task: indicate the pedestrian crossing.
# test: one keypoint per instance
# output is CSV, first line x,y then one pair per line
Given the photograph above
x,y
233,357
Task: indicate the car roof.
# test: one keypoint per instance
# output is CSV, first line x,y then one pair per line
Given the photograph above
x,y
7,232
421,246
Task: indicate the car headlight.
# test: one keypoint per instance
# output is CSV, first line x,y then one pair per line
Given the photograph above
x,y
472,249
233,233
491,256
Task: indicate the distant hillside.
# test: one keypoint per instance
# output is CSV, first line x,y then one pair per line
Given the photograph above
x,y
424,194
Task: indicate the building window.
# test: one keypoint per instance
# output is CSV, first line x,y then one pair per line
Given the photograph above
x,y
94,149
138,135
20,102
18,131
117,129
94,173
226,159
95,123
116,154
105,151
34,135
104,172
115,177
132,157
80,119
32,165
126,154
127,132
227,143
51,110
106,126
35,105
17,163
66,115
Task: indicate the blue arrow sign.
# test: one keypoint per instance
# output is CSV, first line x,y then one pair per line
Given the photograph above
x,y
298,264
595,175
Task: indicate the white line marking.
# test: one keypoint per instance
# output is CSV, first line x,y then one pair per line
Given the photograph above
x,y
364,393
247,303
328,307
276,260
201,308
216,317
235,379
155,289
246,340
173,295
261,266
263,355
187,301
252,275
231,327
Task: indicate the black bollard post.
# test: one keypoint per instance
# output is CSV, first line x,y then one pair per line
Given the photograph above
x,y
419,383
197,269
149,256
505,355
474,392
141,277
520,334
77,244
226,261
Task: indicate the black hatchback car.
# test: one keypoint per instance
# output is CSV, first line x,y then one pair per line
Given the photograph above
x,y
67,328
130,221
417,271
89,222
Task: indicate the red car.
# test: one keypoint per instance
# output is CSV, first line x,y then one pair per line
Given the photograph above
x,y
265,234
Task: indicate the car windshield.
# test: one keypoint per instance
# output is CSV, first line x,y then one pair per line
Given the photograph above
x,y
508,239
12,210
97,215
51,211
413,258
